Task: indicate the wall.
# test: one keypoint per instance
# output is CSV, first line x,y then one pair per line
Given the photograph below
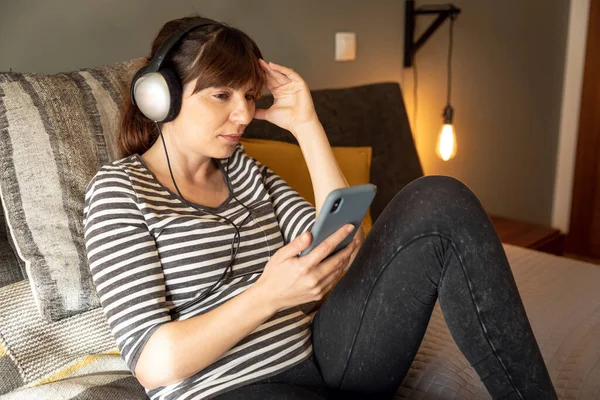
x,y
506,91
59,35
508,69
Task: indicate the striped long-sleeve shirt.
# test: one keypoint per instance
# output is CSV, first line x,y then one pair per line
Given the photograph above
x,y
149,251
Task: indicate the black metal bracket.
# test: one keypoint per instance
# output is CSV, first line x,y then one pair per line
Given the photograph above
x,y
410,46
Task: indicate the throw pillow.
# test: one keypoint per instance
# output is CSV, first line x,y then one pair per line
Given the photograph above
x,y
287,161
53,135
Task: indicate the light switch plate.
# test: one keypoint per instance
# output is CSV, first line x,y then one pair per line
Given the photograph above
x,y
345,46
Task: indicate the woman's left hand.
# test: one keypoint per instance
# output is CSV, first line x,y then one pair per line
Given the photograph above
x,y
293,105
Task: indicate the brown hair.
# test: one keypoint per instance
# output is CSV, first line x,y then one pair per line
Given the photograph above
x,y
218,55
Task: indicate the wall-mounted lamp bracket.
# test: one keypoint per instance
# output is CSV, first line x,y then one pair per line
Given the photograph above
x,y
410,46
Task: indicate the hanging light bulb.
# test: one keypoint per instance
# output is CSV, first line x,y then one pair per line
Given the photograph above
x,y
446,143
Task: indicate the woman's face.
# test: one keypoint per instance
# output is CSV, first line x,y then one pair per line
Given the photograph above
x,y
209,114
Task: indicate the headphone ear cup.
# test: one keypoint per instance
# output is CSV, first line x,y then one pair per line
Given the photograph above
x,y
134,80
151,95
175,93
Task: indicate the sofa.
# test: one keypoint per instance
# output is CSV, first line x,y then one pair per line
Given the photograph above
x,y
55,133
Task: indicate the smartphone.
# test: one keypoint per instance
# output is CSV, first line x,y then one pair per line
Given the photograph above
x,y
342,206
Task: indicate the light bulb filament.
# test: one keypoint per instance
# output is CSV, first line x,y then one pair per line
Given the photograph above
x,y
446,146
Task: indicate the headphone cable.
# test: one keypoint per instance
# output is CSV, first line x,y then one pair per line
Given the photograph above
x,y
177,310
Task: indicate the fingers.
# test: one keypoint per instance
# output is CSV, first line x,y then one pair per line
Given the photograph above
x,y
328,245
274,78
333,267
290,73
292,249
271,81
280,74
330,281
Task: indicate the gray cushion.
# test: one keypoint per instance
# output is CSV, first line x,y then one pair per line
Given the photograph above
x,y
370,115
53,130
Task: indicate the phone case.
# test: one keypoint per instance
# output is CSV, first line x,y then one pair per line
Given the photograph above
x,y
354,202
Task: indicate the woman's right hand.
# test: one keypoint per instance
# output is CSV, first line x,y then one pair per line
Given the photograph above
x,y
289,280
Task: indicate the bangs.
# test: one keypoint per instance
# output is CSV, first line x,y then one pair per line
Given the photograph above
x,y
231,60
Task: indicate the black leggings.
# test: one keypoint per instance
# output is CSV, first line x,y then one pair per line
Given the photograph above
x,y
433,240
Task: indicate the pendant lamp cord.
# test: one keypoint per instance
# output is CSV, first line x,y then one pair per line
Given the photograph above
x,y
450,48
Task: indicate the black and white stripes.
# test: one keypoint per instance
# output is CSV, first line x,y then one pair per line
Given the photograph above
x,y
149,251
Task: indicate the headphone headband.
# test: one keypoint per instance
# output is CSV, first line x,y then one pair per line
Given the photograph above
x,y
171,41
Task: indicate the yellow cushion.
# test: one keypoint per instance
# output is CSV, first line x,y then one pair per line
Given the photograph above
x,y
287,161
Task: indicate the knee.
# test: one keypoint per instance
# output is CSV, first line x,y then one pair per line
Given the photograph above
x,y
439,186
436,194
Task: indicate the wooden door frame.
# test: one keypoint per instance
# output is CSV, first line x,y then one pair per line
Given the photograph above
x,y
586,179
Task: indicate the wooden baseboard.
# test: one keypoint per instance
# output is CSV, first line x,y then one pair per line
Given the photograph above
x,y
583,258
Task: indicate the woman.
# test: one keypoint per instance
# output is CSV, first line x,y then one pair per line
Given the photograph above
x,y
193,249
